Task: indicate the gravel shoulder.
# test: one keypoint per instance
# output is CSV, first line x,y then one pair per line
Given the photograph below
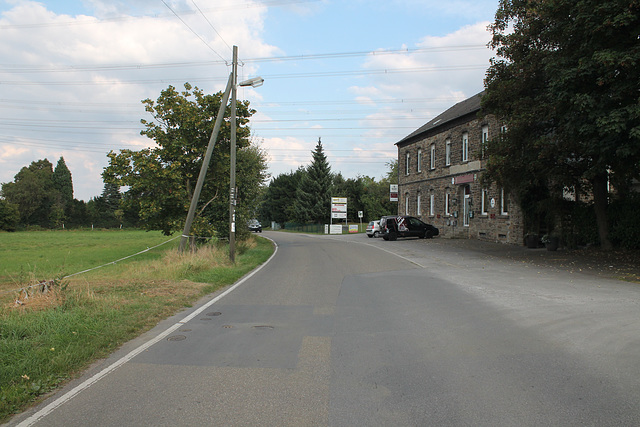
x,y
616,264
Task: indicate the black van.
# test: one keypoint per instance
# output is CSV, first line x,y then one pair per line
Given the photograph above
x,y
392,227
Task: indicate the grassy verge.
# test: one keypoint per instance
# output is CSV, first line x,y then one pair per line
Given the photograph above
x,y
51,337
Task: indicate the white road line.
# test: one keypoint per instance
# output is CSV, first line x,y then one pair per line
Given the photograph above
x,y
90,381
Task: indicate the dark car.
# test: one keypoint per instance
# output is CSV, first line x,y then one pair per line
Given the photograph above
x,y
392,227
254,225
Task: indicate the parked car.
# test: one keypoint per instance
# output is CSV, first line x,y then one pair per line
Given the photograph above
x,y
373,229
392,227
254,225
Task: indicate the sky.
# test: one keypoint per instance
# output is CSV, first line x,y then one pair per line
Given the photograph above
x,y
360,75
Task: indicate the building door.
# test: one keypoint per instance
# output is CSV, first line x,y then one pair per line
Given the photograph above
x,y
467,205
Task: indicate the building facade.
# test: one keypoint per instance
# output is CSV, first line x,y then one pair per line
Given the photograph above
x,y
440,166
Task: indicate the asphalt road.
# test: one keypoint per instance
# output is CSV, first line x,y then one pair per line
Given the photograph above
x,y
350,331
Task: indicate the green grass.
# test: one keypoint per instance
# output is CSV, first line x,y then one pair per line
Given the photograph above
x,y
43,255
54,336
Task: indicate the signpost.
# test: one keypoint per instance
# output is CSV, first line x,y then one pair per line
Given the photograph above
x,y
338,211
393,192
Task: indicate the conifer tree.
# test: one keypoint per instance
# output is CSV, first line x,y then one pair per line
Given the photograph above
x,y
313,198
62,181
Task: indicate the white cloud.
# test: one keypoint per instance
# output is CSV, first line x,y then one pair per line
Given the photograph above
x,y
67,92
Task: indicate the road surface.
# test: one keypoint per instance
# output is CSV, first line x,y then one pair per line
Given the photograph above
x,y
351,331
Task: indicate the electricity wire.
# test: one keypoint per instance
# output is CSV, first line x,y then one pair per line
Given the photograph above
x,y
211,25
192,30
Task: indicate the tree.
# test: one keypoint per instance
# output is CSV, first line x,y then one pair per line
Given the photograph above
x,y
566,83
62,181
9,216
161,179
105,210
33,192
354,190
313,198
376,198
280,196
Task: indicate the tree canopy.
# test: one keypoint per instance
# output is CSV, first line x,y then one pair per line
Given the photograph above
x,y
280,195
33,192
565,82
161,179
280,199
62,182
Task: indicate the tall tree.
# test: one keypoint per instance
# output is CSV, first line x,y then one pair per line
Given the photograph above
x,y
33,192
566,83
313,198
62,181
280,195
161,180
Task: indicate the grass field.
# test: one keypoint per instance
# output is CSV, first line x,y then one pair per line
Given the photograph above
x,y
49,338
44,255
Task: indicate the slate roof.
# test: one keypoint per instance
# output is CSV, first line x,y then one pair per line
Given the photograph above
x,y
462,108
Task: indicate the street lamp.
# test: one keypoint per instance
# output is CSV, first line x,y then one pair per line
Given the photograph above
x,y
254,82
231,89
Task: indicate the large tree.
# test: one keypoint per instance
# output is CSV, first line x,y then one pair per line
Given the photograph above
x,y
62,181
161,179
63,184
33,192
566,83
279,197
313,198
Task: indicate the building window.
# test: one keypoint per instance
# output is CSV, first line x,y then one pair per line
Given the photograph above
x,y
433,156
432,204
504,202
485,140
407,165
465,147
447,204
447,152
406,203
418,208
484,206
419,163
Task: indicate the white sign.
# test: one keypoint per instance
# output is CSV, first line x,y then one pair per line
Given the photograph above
x,y
339,215
335,229
339,200
338,207
360,214
393,192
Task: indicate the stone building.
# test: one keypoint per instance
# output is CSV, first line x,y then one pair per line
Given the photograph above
x,y
439,168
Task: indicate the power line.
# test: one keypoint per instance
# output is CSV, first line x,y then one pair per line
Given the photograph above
x,y
28,68
271,77
211,25
192,30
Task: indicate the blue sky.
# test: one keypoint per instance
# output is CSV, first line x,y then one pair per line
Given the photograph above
x,y
361,75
